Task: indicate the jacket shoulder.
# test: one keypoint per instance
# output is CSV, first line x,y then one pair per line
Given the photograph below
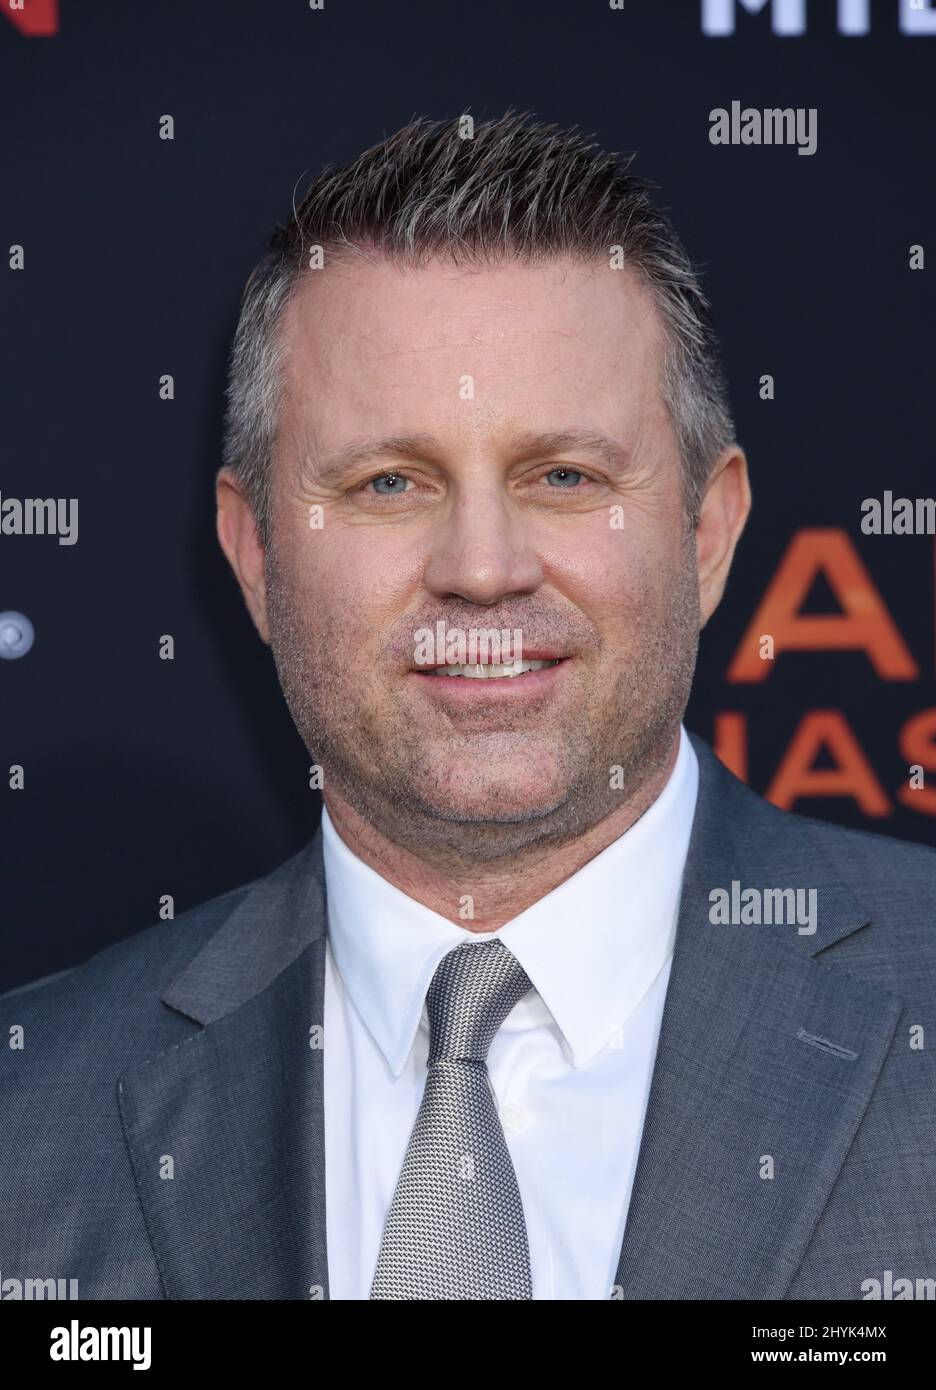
x,y
895,882
109,1007
890,882
873,859
866,860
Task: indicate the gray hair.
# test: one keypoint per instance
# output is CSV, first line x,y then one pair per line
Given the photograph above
x,y
515,190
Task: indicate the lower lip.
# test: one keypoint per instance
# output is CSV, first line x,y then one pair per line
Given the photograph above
x,y
528,686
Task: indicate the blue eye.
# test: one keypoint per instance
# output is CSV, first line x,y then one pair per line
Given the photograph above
x,y
393,479
567,476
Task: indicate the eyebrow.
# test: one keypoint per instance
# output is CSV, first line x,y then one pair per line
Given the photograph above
x,y
523,448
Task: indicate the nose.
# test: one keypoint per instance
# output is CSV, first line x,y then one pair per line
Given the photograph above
x,y
483,551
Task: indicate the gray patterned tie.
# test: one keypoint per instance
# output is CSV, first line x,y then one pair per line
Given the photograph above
x,y
455,1228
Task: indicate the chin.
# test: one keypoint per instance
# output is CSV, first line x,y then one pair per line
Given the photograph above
x,y
493,799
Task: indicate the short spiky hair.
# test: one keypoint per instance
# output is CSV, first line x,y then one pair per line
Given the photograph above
x,y
508,189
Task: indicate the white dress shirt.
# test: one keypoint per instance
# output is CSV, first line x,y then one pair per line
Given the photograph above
x,y
570,1066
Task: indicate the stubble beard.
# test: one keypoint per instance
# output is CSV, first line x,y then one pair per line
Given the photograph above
x,y
385,780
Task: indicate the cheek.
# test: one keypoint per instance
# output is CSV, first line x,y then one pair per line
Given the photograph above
x,y
612,573
354,585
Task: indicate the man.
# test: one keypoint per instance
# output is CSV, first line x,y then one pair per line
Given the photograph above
x,y
512,1026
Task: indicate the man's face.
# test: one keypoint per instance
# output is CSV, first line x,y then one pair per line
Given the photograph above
x,y
466,512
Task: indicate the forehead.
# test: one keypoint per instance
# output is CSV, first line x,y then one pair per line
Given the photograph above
x,y
372,346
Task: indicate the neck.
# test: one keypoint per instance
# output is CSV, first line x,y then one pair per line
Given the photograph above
x,y
500,891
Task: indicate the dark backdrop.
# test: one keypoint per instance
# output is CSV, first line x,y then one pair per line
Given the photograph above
x,y
146,777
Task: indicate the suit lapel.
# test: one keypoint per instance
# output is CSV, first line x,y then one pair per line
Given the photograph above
x,y
238,1105
764,1055
766,1062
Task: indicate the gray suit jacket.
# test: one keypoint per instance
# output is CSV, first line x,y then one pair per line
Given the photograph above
x,y
189,1044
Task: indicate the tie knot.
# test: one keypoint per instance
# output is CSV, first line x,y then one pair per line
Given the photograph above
x,y
472,992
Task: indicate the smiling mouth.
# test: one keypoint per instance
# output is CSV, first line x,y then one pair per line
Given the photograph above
x,y
487,671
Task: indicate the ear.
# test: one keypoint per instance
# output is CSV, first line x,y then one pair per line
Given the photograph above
x,y
723,516
240,541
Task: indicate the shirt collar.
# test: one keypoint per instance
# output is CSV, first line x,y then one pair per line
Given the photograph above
x,y
592,946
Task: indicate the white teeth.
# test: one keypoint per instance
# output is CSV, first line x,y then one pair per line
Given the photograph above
x,y
493,670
